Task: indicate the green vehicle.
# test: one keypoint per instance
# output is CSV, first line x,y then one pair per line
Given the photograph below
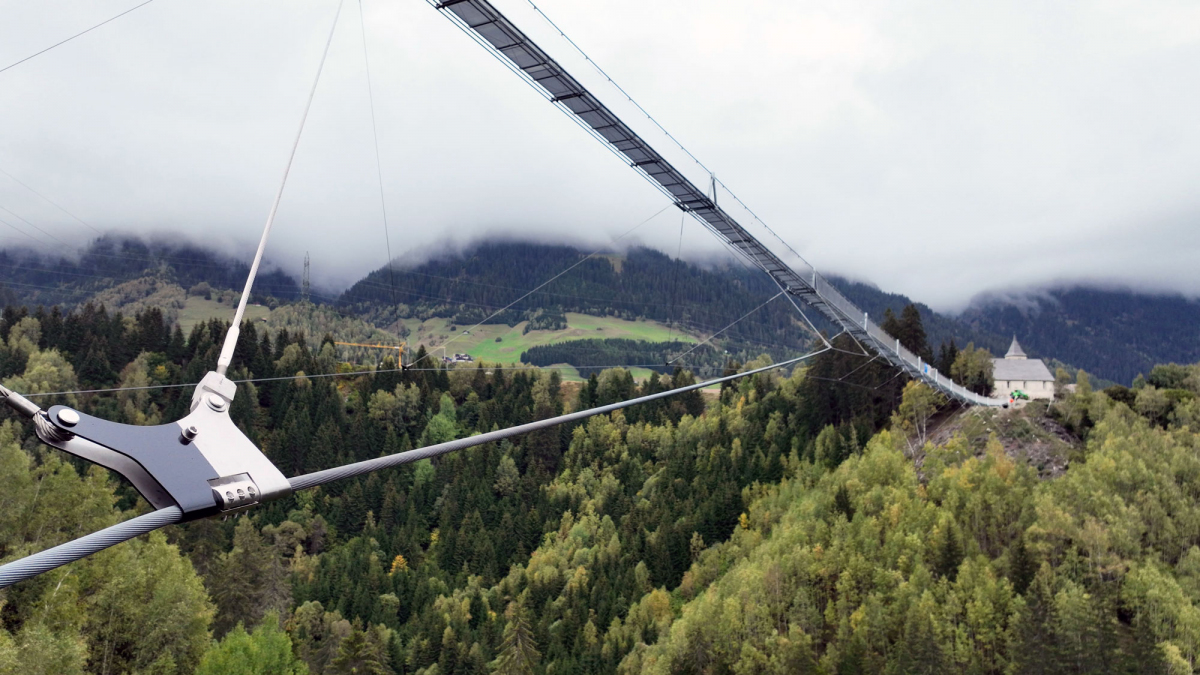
x,y
1019,395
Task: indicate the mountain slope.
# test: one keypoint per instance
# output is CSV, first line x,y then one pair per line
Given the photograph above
x,y
641,283
35,278
1116,334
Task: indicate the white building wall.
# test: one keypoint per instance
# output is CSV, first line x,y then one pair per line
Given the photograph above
x,y
1035,388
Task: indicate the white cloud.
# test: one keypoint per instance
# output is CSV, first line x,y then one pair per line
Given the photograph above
x,y
935,148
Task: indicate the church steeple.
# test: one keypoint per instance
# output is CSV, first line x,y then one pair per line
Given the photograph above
x,y
1015,351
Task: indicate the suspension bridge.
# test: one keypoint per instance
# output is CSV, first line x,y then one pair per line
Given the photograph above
x,y
213,468
492,30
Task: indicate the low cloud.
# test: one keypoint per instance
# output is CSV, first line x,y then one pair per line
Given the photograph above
x,y
937,149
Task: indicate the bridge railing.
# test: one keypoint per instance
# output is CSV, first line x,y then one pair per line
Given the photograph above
x,y
832,296
514,48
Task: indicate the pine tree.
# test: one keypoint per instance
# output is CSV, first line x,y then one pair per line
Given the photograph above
x,y
946,356
950,553
248,581
95,370
913,332
841,502
358,656
1021,566
518,651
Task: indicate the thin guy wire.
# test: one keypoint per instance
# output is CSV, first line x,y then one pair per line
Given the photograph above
x,y
331,308
18,217
14,227
358,468
379,371
869,362
675,280
63,42
661,128
234,327
544,283
699,344
49,201
739,254
362,23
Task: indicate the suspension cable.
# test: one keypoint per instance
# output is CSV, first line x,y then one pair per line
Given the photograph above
x,y
716,181
49,201
591,255
387,237
737,321
60,555
63,42
231,336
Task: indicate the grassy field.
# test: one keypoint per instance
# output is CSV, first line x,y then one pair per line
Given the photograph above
x,y
481,343
198,309
572,374
435,334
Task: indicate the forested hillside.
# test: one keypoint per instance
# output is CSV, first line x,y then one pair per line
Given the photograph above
x,y
641,283
33,278
1117,334
1113,334
466,288
796,523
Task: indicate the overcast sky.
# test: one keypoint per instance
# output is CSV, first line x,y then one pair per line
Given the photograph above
x,y
935,148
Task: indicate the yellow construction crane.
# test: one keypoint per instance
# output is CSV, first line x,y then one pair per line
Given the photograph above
x,y
399,349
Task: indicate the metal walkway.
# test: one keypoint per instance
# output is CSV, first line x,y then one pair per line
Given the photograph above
x,y
491,29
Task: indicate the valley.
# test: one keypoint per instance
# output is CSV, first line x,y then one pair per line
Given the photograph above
x,y
440,334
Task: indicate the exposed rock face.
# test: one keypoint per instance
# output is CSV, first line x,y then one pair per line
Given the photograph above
x,y
1027,435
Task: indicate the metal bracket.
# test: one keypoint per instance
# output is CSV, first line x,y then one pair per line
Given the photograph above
x,y
203,463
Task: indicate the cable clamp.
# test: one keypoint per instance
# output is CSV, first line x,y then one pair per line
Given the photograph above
x,y
202,463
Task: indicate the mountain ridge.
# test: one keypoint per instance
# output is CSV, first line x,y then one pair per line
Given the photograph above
x,y
1101,330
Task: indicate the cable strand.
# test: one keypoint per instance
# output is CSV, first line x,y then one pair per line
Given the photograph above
x,y
231,336
387,238
63,42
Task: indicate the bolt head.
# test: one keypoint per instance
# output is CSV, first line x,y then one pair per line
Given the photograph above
x,y
68,417
190,433
216,402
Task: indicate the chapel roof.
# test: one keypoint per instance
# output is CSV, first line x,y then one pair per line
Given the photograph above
x,y
1030,370
1015,351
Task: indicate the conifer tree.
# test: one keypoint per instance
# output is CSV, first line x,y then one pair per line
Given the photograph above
x,y
1022,566
249,581
518,651
358,655
949,554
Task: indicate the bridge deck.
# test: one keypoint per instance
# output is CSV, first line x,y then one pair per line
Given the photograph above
x,y
515,48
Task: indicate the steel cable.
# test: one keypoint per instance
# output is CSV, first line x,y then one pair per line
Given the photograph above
x,y
60,555
545,283
63,42
44,561
231,336
358,468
